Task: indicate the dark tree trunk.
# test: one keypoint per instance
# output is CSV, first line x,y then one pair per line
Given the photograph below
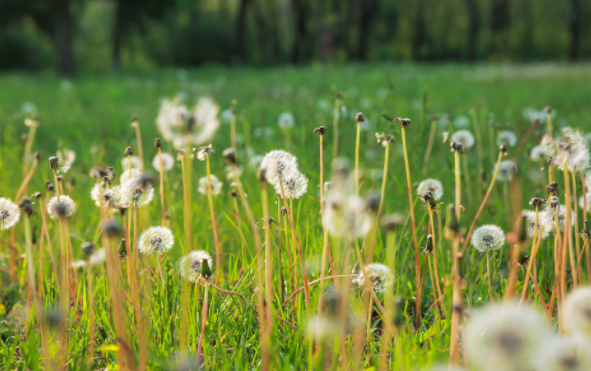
x,y
575,28
368,11
64,39
473,28
418,36
117,39
300,8
241,31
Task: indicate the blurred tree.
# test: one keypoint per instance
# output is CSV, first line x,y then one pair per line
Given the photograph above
x,y
241,31
368,12
301,14
54,18
575,27
135,14
473,28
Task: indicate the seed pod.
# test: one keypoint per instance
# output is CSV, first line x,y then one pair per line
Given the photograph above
x,y
128,151
158,143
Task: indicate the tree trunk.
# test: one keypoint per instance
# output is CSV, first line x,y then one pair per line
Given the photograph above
x,y
64,39
369,9
418,36
300,11
575,28
473,28
241,32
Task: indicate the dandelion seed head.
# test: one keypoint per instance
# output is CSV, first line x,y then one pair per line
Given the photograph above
x,y
278,164
507,169
379,275
543,221
167,162
191,265
137,191
156,240
558,214
286,120
576,312
9,213
294,186
504,336
565,353
432,185
507,138
136,164
582,201
538,153
125,177
216,185
463,136
488,238
103,197
62,209
98,257
67,155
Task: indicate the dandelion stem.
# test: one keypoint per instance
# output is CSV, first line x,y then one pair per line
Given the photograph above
x,y
213,222
490,292
140,149
335,124
534,251
414,230
429,146
161,172
268,260
357,157
490,187
203,324
435,257
90,304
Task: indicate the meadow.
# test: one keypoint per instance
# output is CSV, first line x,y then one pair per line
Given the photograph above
x,y
128,307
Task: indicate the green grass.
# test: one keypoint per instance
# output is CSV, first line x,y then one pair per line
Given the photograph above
x,y
92,117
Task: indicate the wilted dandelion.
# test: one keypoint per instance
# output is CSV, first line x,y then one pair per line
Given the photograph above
x,y
102,197
379,276
507,138
488,238
216,185
196,266
576,312
504,337
156,240
138,191
431,185
507,169
464,137
62,209
167,162
9,213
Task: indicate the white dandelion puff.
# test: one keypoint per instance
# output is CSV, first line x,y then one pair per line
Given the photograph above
x,y
564,353
286,121
167,162
543,221
191,265
137,191
278,164
136,163
9,213
156,240
488,238
507,138
464,137
378,275
98,257
462,121
507,169
294,186
504,337
432,185
126,177
539,153
558,216
102,196
216,185
67,155
576,312
586,197
62,209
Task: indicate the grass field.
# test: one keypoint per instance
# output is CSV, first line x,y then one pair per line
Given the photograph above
x,y
92,117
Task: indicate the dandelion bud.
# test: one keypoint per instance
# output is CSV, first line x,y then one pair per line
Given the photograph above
x,y
106,180
26,205
53,163
233,193
321,130
359,118
196,266
49,187
37,195
37,156
60,178
457,147
158,143
134,118
230,156
548,109
586,230
554,202
429,247
283,210
112,229
128,151
87,249
503,149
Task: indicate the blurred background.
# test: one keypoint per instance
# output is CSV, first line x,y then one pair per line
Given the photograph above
x,y
89,36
